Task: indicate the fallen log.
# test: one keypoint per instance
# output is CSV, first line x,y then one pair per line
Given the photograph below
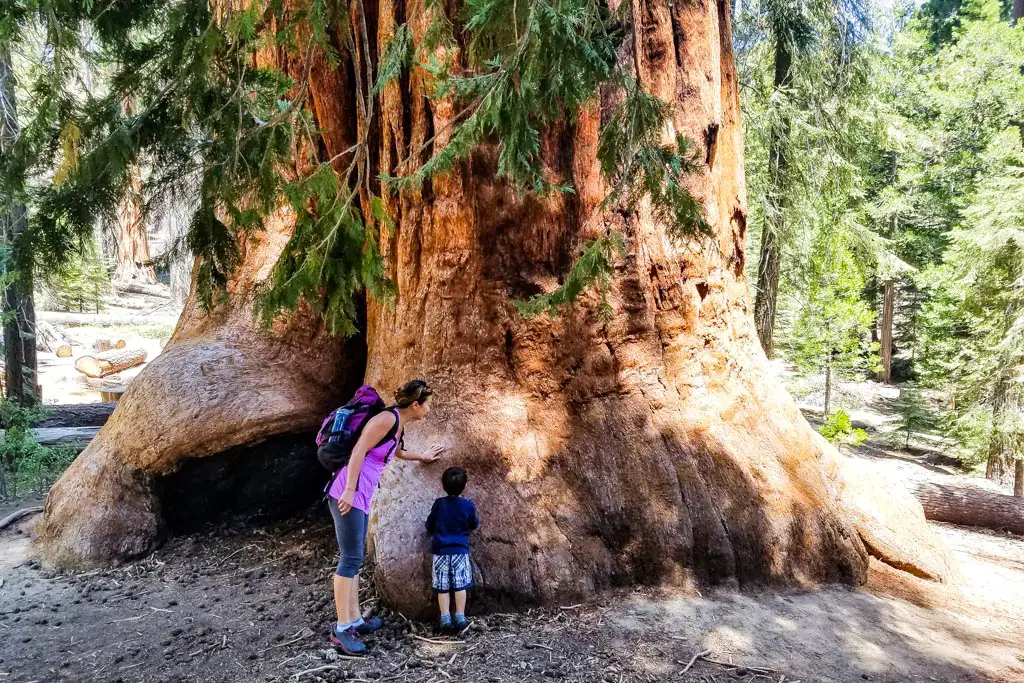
x,y
158,291
76,415
50,339
968,505
14,517
101,345
105,319
109,362
61,436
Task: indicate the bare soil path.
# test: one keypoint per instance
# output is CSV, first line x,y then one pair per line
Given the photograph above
x,y
251,604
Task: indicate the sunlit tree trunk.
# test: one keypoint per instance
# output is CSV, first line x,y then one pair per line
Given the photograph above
x,y
888,297
133,261
769,265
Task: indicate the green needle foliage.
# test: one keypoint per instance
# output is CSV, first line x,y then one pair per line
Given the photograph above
x,y
839,430
233,135
595,265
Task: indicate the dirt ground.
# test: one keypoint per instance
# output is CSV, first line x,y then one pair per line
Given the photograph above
x,y
242,603
252,604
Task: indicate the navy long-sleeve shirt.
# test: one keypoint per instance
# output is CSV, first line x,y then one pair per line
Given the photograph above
x,y
449,522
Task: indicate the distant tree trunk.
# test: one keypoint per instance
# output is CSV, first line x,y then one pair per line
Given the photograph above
x,y
769,264
828,387
886,338
133,260
1018,478
651,448
181,261
1001,446
1018,11
18,305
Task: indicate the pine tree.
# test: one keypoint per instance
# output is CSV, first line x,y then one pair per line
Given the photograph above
x,y
914,413
804,65
831,333
83,283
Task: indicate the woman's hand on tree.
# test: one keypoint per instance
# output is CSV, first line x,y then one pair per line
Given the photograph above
x,y
345,501
432,454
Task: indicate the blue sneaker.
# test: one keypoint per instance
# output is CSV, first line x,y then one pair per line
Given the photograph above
x,y
348,641
460,621
369,626
445,623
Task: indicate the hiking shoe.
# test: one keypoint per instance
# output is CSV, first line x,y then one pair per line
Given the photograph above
x,y
369,626
347,641
445,623
460,621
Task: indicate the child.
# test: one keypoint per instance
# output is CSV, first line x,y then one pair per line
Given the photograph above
x,y
450,521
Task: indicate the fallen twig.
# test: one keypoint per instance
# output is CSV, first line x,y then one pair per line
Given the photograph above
x,y
753,669
301,635
240,550
15,516
693,660
329,667
533,646
438,642
569,607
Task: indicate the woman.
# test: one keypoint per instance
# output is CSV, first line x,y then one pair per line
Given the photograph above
x,y
352,492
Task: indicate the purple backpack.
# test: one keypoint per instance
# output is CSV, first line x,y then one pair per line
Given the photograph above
x,y
340,431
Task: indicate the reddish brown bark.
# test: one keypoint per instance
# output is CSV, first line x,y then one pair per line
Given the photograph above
x,y
133,259
651,448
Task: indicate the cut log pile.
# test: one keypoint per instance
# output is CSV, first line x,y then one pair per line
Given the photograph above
x,y
109,362
101,345
51,339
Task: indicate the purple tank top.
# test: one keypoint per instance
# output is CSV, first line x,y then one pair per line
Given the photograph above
x,y
376,460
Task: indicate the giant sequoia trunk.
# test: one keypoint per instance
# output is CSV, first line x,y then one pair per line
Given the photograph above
x,y
652,447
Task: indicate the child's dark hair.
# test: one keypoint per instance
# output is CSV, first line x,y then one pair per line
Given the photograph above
x,y
454,481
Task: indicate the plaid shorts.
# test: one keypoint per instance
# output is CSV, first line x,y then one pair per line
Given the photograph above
x,y
452,573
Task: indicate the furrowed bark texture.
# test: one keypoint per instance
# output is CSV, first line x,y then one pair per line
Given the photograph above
x,y
222,381
649,448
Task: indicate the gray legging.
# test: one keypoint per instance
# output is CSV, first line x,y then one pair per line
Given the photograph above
x,y
350,529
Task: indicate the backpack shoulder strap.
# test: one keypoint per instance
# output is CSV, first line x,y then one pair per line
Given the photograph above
x,y
393,432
